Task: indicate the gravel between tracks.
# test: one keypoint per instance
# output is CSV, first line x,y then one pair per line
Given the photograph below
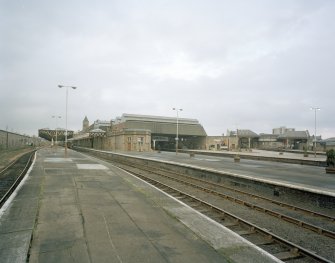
x,y
8,156
320,244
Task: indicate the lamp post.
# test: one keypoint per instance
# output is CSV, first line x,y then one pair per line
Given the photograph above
x,y
236,139
66,87
56,117
315,109
177,133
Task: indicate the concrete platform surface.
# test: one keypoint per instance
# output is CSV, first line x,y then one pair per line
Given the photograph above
x,y
80,209
310,178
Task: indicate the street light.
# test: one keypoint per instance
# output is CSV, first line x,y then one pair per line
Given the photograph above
x,y
177,139
56,125
315,109
66,87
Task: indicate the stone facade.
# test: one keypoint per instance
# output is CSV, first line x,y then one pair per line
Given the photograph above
x,y
123,140
86,125
142,133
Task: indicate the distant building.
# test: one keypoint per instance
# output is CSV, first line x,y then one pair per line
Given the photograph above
x,y
247,139
132,132
104,125
269,141
328,143
241,139
294,139
281,130
281,137
216,143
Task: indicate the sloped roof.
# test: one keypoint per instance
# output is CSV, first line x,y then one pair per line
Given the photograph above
x,y
294,135
149,118
97,131
332,139
329,141
163,125
247,134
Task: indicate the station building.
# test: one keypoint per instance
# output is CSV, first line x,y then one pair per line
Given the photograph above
x,y
234,140
133,132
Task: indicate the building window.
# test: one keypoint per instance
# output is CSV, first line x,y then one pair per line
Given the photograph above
x,y
129,139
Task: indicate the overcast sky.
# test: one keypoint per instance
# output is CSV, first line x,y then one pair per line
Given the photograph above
x,y
255,65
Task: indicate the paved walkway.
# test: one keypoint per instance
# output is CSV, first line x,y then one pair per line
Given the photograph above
x,y
80,209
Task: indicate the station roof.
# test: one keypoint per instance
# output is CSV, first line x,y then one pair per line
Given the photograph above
x,y
329,141
294,135
247,134
163,125
150,118
97,130
49,134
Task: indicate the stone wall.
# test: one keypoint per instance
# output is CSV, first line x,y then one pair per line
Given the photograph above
x,y
124,140
10,140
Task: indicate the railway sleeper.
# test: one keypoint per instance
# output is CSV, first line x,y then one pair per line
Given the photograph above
x,y
263,242
231,224
205,211
175,194
248,231
196,205
287,255
245,232
218,218
181,197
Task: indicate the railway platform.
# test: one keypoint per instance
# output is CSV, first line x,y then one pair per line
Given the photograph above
x,y
305,177
81,209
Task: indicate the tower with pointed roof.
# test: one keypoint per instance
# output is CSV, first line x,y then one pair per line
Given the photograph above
x,y
86,124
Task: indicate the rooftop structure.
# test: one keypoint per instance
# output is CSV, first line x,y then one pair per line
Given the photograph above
x,y
49,134
133,132
163,125
294,135
282,130
247,134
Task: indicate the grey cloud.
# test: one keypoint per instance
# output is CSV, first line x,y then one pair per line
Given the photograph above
x,y
258,64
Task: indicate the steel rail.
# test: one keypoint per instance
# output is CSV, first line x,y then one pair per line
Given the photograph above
x,y
18,179
282,204
289,219
296,249
8,166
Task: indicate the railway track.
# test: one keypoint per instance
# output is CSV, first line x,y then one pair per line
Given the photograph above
x,y
286,208
209,198
12,174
